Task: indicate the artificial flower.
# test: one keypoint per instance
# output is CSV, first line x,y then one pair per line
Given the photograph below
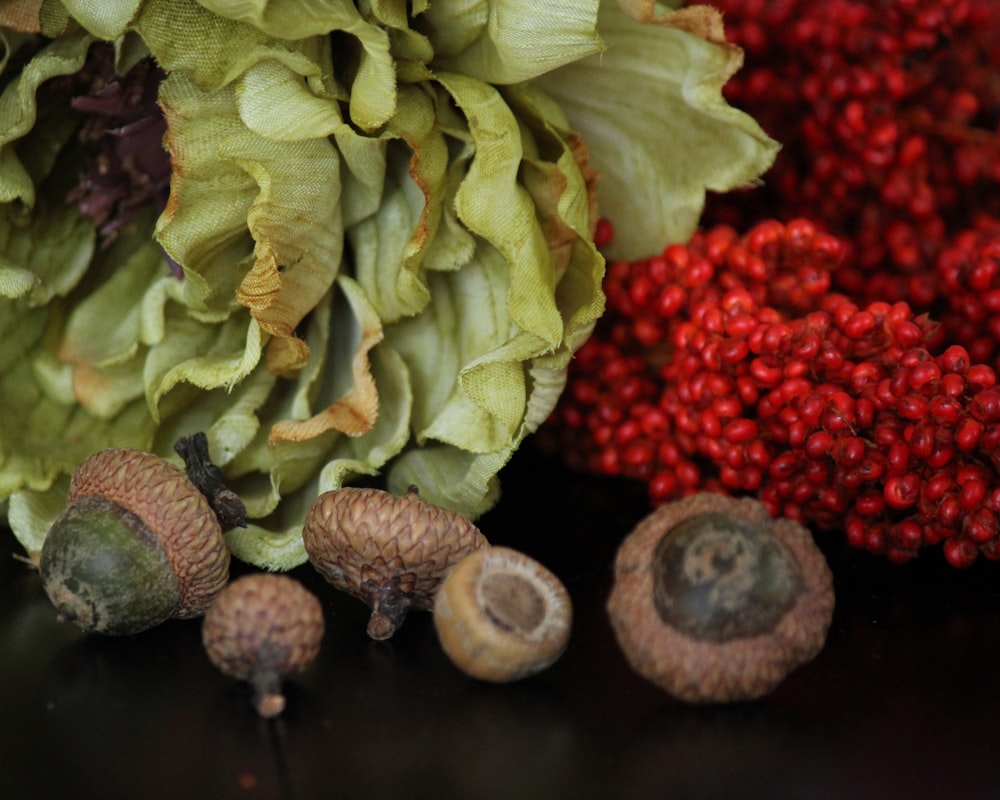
x,y
364,249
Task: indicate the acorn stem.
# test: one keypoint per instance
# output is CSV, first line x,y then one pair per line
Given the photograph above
x,y
389,604
205,475
268,698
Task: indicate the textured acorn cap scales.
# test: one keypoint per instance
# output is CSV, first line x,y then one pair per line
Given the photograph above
x,y
153,505
160,494
389,551
744,652
262,628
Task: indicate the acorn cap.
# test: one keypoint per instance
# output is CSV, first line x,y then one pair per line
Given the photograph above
x,y
389,551
715,600
501,616
171,507
264,622
261,628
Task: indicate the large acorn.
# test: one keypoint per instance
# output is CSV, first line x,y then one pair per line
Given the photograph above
x,y
714,600
389,551
137,544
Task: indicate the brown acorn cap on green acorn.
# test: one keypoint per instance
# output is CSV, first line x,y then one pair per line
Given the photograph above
x,y
137,544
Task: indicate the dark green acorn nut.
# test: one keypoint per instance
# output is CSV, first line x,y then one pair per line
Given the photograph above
x,y
136,545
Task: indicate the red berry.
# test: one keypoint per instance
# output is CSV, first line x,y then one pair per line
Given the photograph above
x,y
830,411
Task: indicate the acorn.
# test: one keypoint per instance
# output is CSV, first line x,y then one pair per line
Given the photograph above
x,y
501,616
714,600
137,544
389,551
261,629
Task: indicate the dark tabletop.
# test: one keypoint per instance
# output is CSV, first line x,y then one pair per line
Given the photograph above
x,y
903,702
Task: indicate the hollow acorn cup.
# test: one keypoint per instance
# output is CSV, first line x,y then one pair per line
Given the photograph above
x,y
262,628
714,600
137,544
501,616
389,551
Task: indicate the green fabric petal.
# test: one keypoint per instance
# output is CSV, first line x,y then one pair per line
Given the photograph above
x,y
372,95
508,41
31,514
491,184
450,145
203,233
391,245
274,102
201,355
471,303
288,19
276,544
662,142
213,51
44,255
386,249
106,326
19,110
282,195
42,437
105,20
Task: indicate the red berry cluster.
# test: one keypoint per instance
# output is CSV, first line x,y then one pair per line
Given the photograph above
x,y
728,364
968,273
889,116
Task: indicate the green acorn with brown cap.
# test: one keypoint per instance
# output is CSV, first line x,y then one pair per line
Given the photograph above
x,y
138,543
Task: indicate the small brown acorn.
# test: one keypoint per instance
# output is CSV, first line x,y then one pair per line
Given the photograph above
x,y
137,544
389,551
501,616
262,628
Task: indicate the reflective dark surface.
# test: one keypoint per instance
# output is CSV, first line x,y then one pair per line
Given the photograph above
x,y
904,701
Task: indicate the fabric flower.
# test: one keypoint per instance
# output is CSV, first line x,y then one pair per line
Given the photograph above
x,y
375,259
